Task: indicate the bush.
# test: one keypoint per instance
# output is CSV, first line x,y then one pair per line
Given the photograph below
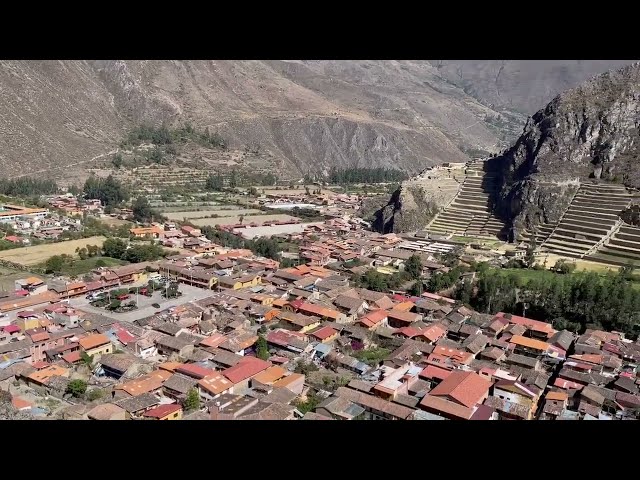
x,y
94,394
77,387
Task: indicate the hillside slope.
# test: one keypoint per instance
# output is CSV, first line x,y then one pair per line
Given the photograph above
x,y
303,115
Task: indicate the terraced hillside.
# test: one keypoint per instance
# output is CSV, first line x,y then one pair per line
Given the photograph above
x,y
592,217
471,213
591,227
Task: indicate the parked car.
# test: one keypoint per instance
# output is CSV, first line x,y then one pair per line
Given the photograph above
x,y
122,297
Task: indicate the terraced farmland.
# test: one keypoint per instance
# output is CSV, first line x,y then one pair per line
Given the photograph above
x,y
470,212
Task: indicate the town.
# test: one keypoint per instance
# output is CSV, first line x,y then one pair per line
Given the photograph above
x,y
284,319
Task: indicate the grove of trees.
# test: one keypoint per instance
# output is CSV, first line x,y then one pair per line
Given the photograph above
x,y
576,301
109,190
27,187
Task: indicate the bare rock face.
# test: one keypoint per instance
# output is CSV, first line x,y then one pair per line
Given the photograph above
x,y
587,132
410,208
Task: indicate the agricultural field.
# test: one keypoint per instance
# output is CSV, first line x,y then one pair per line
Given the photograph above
x,y
231,220
221,212
114,222
80,267
29,256
9,275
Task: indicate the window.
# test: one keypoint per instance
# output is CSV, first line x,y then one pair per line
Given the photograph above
x,y
175,415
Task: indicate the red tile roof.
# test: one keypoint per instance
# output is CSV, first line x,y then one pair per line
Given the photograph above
x,y
195,371
246,368
434,333
323,333
431,372
162,411
466,388
531,324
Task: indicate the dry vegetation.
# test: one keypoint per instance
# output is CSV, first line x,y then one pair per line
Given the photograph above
x,y
37,254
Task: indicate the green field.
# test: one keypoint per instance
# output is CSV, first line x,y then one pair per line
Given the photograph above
x,y
525,274
80,267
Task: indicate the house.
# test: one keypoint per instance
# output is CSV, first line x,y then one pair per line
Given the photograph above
x,y
323,334
107,411
298,322
147,232
339,408
42,376
293,382
351,307
373,320
457,396
118,365
512,393
535,328
96,344
267,377
214,385
236,283
528,346
169,411
375,408
174,345
399,318
150,383
136,406
241,373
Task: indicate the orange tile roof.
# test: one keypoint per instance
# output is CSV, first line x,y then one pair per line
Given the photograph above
x,y
319,311
535,325
529,343
270,375
374,318
16,304
442,405
146,383
562,396
323,333
170,366
404,306
403,316
215,383
20,403
93,341
45,374
34,281
279,302
288,380
465,388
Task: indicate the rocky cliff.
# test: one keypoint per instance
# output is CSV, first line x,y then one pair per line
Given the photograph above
x,y
589,132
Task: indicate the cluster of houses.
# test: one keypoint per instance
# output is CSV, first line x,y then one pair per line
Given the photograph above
x,y
72,205
28,223
270,340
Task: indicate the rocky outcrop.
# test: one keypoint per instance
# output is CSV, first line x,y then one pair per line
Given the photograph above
x,y
590,132
410,208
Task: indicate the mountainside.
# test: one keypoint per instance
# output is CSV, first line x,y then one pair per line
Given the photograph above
x,y
304,116
587,132
522,86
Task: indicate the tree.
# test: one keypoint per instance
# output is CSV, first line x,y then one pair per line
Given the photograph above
x,y
262,350
77,387
530,258
142,210
240,219
253,191
214,183
192,402
413,266
54,264
117,160
109,191
114,248
417,288
83,253
233,180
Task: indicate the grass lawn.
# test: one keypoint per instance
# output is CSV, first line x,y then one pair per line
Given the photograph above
x,y
525,274
80,267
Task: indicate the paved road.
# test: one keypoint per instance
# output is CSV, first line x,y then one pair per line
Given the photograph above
x,y
189,294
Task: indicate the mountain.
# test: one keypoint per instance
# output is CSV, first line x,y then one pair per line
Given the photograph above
x,y
589,132
61,117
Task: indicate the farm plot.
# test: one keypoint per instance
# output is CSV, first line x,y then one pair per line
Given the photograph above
x,y
28,256
257,219
222,212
